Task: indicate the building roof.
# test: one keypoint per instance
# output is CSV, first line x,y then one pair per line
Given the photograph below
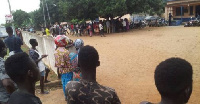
x,y
181,2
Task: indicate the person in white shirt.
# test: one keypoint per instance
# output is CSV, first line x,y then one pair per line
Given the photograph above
x,y
124,25
37,57
101,29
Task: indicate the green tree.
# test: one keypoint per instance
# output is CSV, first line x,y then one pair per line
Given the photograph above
x,y
145,6
19,17
111,8
80,9
37,18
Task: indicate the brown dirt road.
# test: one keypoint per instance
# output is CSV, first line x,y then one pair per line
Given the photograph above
x,y
128,61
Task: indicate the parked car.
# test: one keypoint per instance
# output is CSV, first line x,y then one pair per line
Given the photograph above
x,y
137,19
3,33
148,19
155,21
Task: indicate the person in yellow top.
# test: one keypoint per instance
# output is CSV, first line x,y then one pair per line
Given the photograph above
x,y
47,31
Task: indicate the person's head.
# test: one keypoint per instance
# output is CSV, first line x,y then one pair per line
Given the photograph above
x,y
9,30
3,49
78,43
33,42
61,40
22,69
173,79
88,58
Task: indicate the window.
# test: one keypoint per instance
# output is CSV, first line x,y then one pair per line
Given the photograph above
x,y
178,11
191,10
185,10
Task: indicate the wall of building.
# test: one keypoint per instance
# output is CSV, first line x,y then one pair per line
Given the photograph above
x,y
45,46
171,8
186,15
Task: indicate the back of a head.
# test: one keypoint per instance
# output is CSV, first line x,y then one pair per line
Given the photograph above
x,y
17,66
172,77
88,57
32,41
9,30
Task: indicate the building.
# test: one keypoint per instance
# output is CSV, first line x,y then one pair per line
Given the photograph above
x,y
182,9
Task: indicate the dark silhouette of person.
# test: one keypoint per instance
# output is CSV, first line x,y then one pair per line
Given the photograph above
x,y
170,19
173,79
25,73
88,90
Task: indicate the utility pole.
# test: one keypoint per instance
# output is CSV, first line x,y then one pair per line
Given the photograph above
x,y
44,14
12,16
48,12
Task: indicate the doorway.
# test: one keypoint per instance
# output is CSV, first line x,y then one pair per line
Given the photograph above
x,y
197,11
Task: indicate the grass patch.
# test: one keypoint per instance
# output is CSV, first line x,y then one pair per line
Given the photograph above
x,y
25,48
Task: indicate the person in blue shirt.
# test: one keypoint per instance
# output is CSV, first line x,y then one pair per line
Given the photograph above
x,y
13,43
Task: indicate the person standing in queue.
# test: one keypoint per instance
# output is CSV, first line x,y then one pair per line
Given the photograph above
x,y
88,90
13,43
37,57
101,29
62,60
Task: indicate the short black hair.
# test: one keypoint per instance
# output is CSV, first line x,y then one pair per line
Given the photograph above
x,y
173,76
88,57
9,29
2,45
32,41
17,66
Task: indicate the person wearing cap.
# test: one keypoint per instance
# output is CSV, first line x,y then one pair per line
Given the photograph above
x,y
62,60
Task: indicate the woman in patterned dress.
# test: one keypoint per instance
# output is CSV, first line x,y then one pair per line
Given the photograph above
x,y
62,60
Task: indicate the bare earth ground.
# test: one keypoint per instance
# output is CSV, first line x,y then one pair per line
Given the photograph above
x,y
128,61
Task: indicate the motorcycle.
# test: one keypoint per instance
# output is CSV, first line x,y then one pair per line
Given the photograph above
x,y
188,24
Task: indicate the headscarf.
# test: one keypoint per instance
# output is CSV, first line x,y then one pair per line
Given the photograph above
x,y
61,41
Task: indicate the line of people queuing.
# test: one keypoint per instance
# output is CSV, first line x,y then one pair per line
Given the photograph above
x,y
173,77
91,28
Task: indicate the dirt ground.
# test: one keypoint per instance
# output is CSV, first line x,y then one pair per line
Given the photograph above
x,y
128,61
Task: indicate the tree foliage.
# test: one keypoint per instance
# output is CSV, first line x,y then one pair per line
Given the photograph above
x,y
89,9
145,6
19,17
81,10
111,8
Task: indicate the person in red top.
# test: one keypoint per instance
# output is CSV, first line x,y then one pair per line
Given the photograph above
x,y
72,29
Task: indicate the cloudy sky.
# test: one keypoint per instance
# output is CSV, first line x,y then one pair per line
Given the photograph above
x,y
25,5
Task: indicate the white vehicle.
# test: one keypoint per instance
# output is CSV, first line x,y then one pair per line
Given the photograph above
x,y
137,19
3,33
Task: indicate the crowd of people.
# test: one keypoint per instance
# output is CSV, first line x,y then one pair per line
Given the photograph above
x,y
83,29
20,72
